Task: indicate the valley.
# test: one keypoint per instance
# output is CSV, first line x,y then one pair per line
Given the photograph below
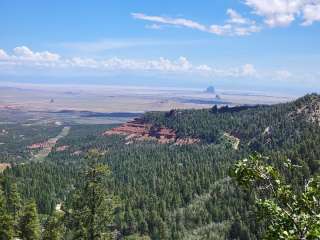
x,y
113,99
160,120
169,168
44,148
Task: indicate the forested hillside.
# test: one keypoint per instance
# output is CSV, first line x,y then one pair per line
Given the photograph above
x,y
169,191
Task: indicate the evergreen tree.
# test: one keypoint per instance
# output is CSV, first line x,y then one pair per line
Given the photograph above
x,y
131,221
237,231
142,224
6,223
163,230
14,201
14,206
93,209
187,187
52,228
29,223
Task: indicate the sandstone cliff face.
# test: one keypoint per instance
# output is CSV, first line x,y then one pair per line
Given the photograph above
x,y
138,130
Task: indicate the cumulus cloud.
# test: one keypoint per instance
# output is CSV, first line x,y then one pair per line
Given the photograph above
x,y
24,53
284,12
230,30
275,13
3,55
181,65
24,58
204,68
235,25
248,70
311,13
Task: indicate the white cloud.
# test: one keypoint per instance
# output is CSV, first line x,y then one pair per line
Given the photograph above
x,y
230,30
248,70
171,21
275,13
164,66
221,29
24,53
284,12
204,68
181,65
236,18
3,55
236,25
24,58
82,62
242,31
311,13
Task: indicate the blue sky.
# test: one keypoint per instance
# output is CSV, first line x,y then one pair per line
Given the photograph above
x,y
235,44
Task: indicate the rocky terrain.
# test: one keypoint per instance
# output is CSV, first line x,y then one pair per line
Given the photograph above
x,y
4,166
138,130
310,110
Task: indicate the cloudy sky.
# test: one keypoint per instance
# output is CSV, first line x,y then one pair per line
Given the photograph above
x,y
234,44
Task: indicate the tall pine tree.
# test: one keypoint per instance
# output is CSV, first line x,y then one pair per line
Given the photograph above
x,y
93,208
53,228
29,222
14,201
6,222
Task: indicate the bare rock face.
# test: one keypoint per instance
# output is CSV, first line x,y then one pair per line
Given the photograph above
x,y
310,109
314,114
4,166
133,128
138,130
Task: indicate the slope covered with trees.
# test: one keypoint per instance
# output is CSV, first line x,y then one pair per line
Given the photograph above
x,y
170,191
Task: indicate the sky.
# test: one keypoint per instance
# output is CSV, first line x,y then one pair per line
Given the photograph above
x,y
270,45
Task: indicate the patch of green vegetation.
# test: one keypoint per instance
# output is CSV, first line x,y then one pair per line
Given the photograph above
x,y
180,192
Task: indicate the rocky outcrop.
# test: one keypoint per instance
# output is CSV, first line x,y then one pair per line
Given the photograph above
x,y
4,166
310,109
138,130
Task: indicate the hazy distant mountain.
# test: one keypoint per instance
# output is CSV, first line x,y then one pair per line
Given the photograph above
x,y
210,89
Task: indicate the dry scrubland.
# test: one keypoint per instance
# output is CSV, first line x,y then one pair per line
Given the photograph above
x,y
121,99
